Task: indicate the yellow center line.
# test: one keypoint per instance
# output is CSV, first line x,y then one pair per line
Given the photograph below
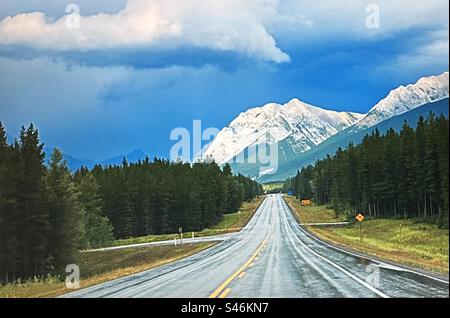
x,y
241,275
225,293
225,284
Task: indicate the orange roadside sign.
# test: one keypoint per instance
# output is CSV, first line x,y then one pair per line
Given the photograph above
x,y
306,202
360,217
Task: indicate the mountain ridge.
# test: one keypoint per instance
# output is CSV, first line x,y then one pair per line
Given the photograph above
x,y
76,163
399,101
330,146
308,124
405,98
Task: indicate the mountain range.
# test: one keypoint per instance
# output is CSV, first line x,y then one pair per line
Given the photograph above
x,y
75,163
305,133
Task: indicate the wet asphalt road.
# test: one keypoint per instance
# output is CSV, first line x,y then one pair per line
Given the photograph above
x,y
272,257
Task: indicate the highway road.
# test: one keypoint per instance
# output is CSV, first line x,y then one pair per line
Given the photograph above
x,y
272,257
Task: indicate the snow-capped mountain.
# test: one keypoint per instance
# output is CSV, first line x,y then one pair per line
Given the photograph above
x,y
305,124
300,129
404,99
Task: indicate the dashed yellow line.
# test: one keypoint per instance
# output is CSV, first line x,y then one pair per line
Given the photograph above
x,y
221,289
241,275
225,293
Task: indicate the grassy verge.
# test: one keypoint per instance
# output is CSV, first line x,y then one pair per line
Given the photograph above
x,y
314,213
234,222
273,186
403,241
99,267
230,223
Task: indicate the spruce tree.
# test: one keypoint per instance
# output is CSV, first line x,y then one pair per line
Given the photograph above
x,y
98,231
66,213
32,214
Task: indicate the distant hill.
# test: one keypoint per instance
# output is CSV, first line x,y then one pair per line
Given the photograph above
x,y
133,156
76,163
73,163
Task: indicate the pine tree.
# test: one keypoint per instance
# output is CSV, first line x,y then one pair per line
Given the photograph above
x,y
390,175
443,159
235,196
406,170
98,231
32,214
66,214
193,214
8,212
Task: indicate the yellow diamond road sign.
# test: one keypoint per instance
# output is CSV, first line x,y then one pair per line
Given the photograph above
x,y
360,217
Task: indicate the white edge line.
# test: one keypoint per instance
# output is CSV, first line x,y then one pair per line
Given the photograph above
x,y
390,266
386,265
324,224
357,279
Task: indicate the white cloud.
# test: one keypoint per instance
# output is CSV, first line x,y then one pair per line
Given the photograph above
x,y
250,27
228,25
431,53
325,19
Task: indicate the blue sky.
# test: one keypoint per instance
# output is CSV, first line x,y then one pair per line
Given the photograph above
x,y
134,70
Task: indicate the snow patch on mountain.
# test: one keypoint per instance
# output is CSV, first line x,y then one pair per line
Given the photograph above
x,y
307,125
304,126
403,99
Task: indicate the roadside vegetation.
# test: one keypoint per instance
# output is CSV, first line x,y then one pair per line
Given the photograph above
x,y
315,213
405,241
101,266
230,223
48,213
396,175
273,187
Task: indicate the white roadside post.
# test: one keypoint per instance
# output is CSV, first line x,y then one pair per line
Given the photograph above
x,y
175,240
180,230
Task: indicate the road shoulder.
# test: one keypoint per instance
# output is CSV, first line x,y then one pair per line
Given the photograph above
x,y
362,254
103,266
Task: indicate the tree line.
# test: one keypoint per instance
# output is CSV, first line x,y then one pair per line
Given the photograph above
x,y
401,174
159,197
48,213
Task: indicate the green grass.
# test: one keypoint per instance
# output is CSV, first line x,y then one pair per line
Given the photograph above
x,y
101,266
144,239
235,222
408,242
267,187
230,223
98,267
314,213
